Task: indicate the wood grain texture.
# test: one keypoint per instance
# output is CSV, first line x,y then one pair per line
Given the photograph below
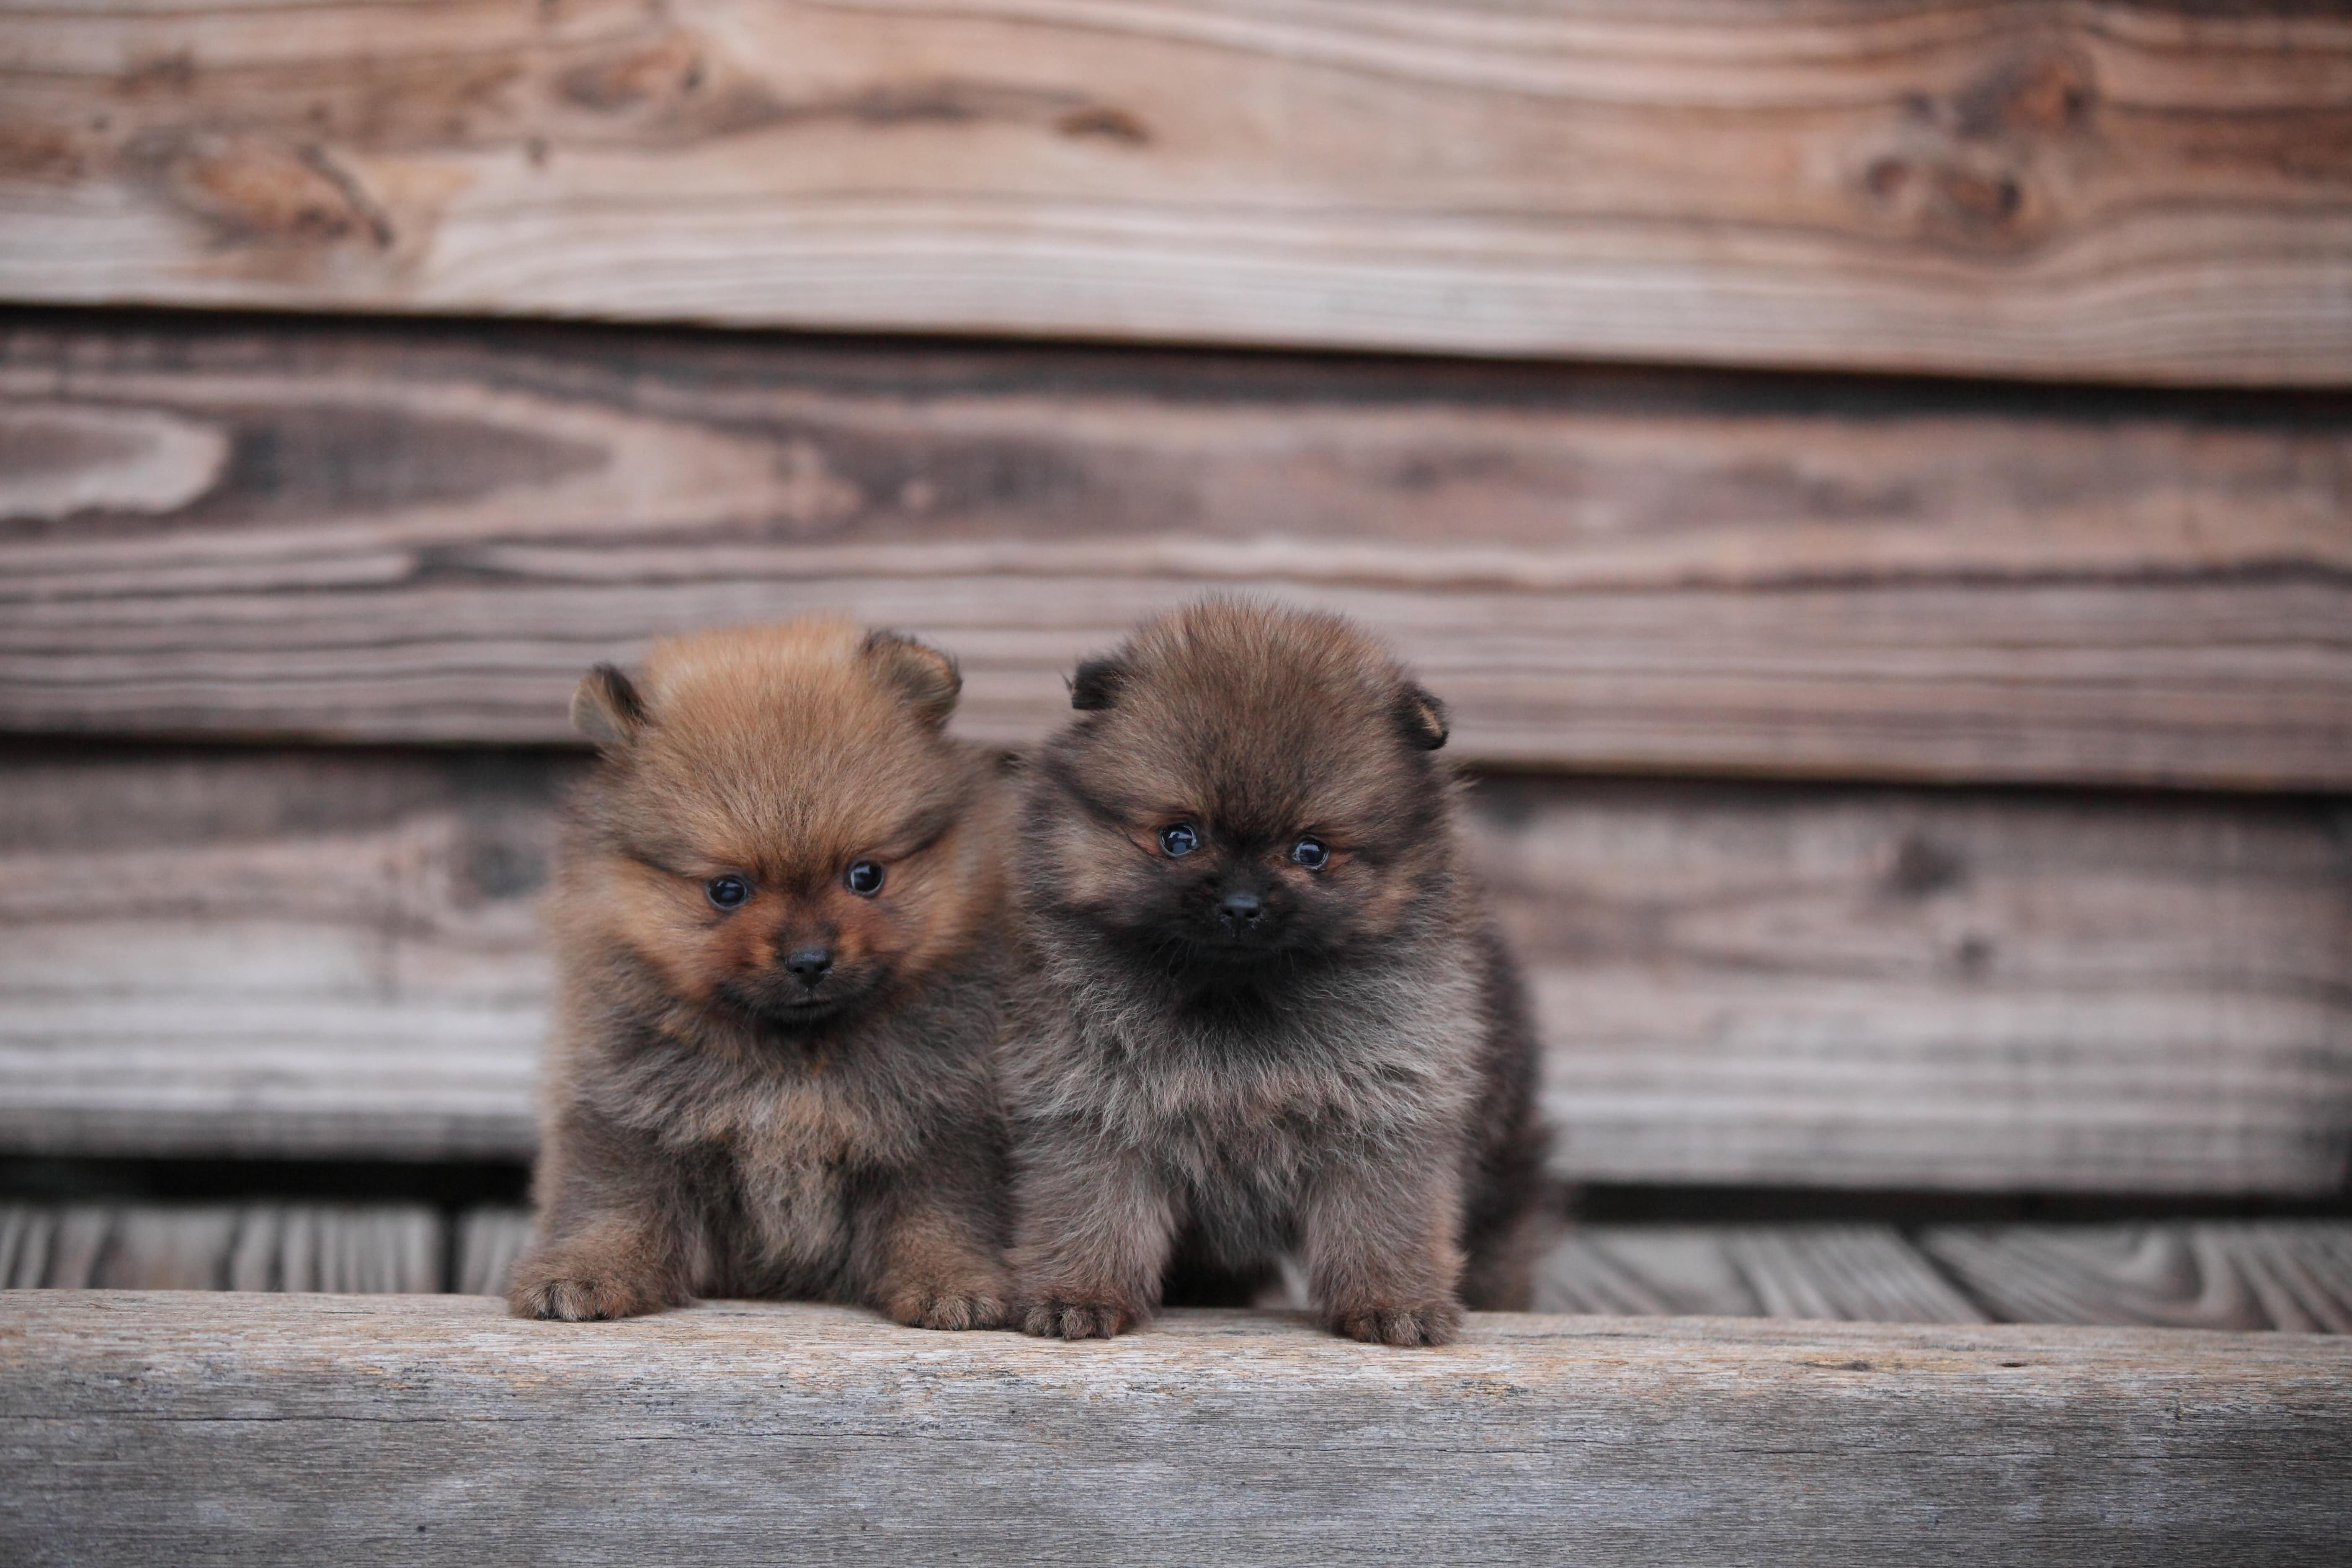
x,y
1851,1272
336,951
357,536
2134,190
264,954
203,1429
2290,1275
1936,990
369,1248
488,1242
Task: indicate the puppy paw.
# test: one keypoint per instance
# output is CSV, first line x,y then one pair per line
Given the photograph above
x,y
1426,1323
1060,1318
573,1291
957,1304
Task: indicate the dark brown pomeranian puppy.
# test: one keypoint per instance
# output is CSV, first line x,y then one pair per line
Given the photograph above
x,y
1259,1010
777,923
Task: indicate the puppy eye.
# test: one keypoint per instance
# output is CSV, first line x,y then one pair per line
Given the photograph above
x,y
1178,839
864,878
726,892
1310,853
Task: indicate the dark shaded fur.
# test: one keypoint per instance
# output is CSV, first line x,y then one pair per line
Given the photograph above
x,y
712,1124
1349,1076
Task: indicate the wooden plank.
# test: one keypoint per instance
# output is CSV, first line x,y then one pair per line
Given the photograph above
x,y
204,1429
1931,990
352,535
369,1248
271,954
2134,191
2294,1275
2280,1274
362,1248
1863,1273
488,1242
335,952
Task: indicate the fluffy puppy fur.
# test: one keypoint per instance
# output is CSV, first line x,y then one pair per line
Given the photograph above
x,y
1257,1009
776,923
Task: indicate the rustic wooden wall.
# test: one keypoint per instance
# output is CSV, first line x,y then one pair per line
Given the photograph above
x,y
209,951
252,530
386,535
1890,781
2148,191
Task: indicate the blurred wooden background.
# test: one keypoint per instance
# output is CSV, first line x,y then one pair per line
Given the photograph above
x,y
2118,191
1873,480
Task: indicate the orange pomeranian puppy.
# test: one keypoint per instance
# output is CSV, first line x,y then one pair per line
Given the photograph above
x,y
776,921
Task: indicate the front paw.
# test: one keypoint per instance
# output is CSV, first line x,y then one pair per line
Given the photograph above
x,y
979,1302
571,1289
1063,1318
1426,1323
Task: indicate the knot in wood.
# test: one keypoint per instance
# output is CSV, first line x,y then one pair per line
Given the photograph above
x,y
663,71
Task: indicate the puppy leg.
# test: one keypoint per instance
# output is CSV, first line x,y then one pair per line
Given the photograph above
x,y
612,1265
1381,1256
928,1255
1092,1242
1512,1220
1500,1273
1511,1208
615,1217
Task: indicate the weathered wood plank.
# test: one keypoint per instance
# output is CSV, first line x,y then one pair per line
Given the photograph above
x,y
200,1429
347,534
2114,189
369,1248
488,1242
271,954
1851,1272
335,952
1877,988
2290,1275
2294,1275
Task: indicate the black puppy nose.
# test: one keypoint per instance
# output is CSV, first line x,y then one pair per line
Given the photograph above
x,y
809,962
1239,909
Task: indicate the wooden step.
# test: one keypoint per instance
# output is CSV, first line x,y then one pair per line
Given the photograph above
x,y
366,1248
2295,1276
374,535
336,953
2125,191
205,1428
2290,1275
488,1241
1865,1273
2238,1274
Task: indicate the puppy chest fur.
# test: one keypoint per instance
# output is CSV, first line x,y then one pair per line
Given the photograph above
x,y
779,1222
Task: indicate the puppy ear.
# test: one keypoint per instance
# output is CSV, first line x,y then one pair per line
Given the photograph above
x,y
926,678
1097,684
1422,717
607,710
